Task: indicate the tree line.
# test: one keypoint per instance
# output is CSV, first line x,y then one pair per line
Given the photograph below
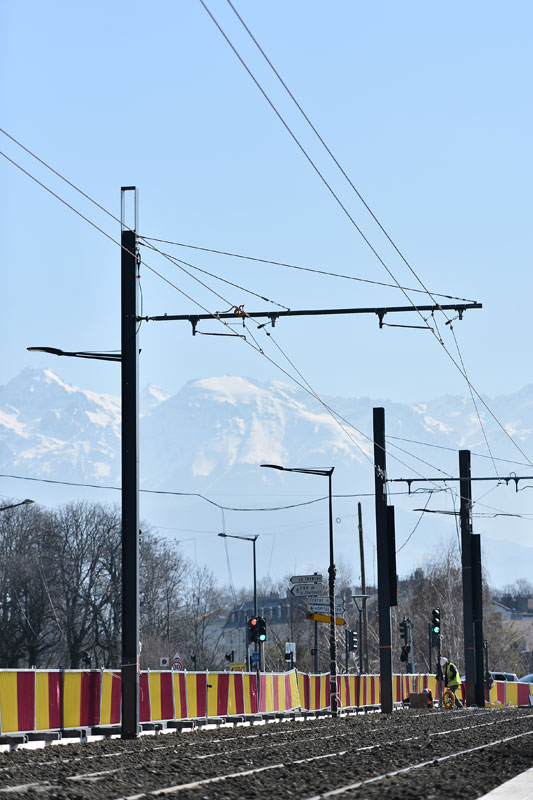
x,y
61,592
61,596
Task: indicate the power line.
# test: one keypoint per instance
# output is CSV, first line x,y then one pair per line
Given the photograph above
x,y
454,450
191,494
328,150
304,269
170,283
346,212
179,261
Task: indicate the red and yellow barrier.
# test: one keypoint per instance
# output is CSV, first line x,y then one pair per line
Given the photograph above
x,y
81,698
278,692
41,700
314,692
17,701
242,693
196,683
161,696
111,698
179,685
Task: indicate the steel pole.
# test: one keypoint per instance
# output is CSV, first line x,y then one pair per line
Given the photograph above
x,y
477,591
361,640
130,484
382,540
465,511
316,648
332,631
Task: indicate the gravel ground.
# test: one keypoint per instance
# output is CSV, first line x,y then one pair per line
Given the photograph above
x,y
292,759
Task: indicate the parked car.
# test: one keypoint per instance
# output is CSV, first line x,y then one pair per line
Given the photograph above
x,y
527,678
504,676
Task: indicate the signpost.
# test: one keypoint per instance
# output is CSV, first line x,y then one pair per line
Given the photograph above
x,y
314,578
318,604
318,617
307,589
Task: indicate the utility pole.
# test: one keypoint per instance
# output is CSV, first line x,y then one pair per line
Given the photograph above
x,y
477,590
130,476
363,652
465,513
382,537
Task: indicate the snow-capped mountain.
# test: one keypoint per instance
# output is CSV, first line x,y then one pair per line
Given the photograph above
x,y
216,427
203,448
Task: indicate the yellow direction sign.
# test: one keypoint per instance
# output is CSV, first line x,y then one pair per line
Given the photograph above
x,y
238,666
324,618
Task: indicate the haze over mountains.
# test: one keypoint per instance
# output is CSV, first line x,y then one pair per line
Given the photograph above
x,y
211,437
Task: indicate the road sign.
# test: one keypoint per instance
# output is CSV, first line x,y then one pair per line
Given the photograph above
x,y
306,589
318,608
254,658
315,578
238,666
324,618
290,647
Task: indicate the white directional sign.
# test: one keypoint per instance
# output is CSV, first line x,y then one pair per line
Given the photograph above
x,y
316,578
318,608
319,600
306,589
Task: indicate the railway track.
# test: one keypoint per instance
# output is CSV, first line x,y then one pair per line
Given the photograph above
x,y
378,755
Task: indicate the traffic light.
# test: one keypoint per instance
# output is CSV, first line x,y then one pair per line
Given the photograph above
x,y
435,626
403,630
230,656
261,629
351,640
252,630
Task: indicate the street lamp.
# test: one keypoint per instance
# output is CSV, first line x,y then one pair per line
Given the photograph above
x,y
252,539
16,505
54,351
364,598
327,473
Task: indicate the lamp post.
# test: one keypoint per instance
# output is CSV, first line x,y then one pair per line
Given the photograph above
x,y
253,540
16,505
355,598
128,358
327,473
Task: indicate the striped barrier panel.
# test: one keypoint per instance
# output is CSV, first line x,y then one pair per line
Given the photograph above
x,y
369,690
179,686
161,696
110,704
196,683
242,694
81,698
348,690
278,692
17,701
48,699
314,692
217,694
497,693
510,693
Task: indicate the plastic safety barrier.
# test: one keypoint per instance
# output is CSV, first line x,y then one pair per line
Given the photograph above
x,y
278,692
48,700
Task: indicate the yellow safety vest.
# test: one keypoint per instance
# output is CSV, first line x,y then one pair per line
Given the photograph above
x,y
452,683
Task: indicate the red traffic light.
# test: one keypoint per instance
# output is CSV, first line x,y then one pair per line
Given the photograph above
x,y
253,622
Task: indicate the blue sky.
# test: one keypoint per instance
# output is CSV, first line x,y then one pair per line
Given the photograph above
x,y
427,106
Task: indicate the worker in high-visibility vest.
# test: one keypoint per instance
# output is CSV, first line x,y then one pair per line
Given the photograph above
x,y
452,679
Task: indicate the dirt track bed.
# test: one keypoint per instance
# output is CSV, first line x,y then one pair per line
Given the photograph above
x,y
292,759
